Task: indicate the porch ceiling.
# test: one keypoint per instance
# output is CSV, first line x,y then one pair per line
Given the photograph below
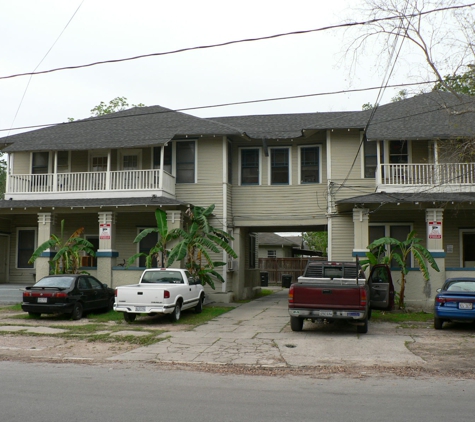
x,y
382,198
90,203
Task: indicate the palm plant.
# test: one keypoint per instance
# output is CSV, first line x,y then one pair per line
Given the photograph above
x,y
164,236
67,257
198,242
399,251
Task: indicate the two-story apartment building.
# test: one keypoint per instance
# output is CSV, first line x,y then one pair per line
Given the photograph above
x,y
359,175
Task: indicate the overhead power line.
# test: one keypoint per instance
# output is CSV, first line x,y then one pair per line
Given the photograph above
x,y
348,91
223,44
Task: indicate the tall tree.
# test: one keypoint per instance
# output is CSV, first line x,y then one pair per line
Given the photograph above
x,y
116,104
440,32
316,241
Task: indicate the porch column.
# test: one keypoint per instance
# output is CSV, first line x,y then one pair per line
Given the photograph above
x,y
360,232
45,221
435,245
106,255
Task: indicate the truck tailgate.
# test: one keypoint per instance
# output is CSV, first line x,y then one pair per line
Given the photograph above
x,y
326,296
140,295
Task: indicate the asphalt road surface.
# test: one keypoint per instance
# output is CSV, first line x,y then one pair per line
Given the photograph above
x,y
54,393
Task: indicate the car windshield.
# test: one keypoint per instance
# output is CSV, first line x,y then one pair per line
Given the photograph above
x,y
162,277
461,286
60,282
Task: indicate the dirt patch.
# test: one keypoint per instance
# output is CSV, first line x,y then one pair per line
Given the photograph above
x,y
448,352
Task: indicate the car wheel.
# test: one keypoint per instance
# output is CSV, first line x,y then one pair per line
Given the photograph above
x,y
199,306
175,315
362,329
110,305
370,313
296,323
438,323
34,314
129,317
77,311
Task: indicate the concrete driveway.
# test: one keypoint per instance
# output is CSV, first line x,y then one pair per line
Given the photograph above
x,y
258,333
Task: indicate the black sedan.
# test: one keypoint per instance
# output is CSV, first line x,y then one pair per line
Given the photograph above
x,y
455,301
73,294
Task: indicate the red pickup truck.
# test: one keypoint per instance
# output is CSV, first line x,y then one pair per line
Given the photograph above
x,y
339,290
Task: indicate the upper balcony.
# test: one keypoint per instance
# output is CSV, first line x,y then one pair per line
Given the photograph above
x,y
100,184
435,178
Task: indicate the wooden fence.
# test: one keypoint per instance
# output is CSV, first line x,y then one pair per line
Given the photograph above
x,y
277,267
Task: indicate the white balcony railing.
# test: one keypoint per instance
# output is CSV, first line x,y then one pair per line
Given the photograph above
x,y
127,180
440,175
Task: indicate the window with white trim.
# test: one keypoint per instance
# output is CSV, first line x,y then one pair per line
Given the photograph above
x,y
279,166
144,246
26,245
396,231
271,254
250,168
185,161
40,162
310,164
467,248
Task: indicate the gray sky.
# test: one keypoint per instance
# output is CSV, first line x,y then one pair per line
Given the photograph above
x,y
106,29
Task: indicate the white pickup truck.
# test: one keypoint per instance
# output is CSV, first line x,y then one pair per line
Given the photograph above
x,y
160,291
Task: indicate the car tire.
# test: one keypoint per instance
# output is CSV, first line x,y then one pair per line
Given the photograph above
x,y
438,323
199,305
175,315
362,329
34,314
370,313
296,323
77,311
110,305
128,317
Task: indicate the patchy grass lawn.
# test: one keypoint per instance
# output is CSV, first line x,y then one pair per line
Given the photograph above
x,y
401,316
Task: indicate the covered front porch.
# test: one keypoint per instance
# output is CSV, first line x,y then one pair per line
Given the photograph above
x,y
447,177
96,184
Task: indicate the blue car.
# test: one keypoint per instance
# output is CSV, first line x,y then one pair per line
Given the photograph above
x,y
455,301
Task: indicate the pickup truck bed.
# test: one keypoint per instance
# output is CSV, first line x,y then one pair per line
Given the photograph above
x,y
338,290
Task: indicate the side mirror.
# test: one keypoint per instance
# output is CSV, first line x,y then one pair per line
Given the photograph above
x,y
438,290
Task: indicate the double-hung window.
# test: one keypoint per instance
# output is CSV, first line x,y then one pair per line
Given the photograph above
x,y
185,162
167,164
280,166
310,164
26,242
250,166
40,163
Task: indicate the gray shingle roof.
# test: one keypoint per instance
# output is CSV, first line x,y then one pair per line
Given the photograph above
x,y
279,126
393,198
90,203
275,239
426,116
136,127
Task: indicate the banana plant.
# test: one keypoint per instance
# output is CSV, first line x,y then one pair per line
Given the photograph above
x,y
399,251
198,242
67,258
160,248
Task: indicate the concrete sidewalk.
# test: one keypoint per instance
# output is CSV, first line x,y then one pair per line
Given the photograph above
x,y
258,333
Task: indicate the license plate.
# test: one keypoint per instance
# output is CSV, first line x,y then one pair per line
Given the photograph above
x,y
140,309
326,313
463,305
42,300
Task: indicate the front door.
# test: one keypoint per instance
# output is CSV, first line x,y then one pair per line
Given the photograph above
x,y
381,288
